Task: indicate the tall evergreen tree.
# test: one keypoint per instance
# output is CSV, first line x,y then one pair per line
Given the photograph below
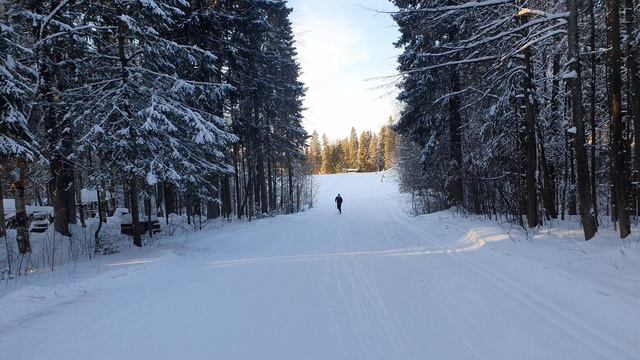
x,y
363,158
353,149
18,145
315,152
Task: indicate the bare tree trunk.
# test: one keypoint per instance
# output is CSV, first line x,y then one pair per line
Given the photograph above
x,y
572,203
126,194
566,176
226,196
188,206
133,182
147,204
3,220
633,91
113,202
96,249
57,141
264,196
290,175
213,206
575,83
134,210
282,196
22,219
37,196
548,188
78,188
60,203
530,121
522,179
102,205
159,208
270,176
592,112
169,199
70,195
236,176
270,185
249,190
274,166
617,142
456,189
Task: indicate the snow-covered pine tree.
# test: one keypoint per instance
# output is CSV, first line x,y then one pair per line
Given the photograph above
x,y
18,145
56,38
363,150
150,110
380,151
208,25
619,150
327,167
17,79
353,149
287,105
265,107
372,153
146,100
315,152
501,63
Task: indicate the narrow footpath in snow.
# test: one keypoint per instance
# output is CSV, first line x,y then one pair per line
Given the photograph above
x,y
372,283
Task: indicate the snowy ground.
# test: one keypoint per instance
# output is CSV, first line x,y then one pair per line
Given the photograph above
x,y
372,283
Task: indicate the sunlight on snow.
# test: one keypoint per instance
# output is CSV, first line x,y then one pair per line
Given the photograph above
x,y
133,262
420,251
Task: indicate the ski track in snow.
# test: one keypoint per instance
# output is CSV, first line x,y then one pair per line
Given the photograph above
x,y
372,283
588,336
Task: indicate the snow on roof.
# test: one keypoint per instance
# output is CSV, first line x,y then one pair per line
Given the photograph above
x,y
10,209
91,196
9,204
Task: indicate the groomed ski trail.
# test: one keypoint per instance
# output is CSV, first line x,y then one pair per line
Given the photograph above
x,y
372,283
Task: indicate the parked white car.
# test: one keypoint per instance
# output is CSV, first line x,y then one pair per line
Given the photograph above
x,y
39,222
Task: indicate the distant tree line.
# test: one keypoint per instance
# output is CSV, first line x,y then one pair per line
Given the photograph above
x,y
365,153
524,109
174,106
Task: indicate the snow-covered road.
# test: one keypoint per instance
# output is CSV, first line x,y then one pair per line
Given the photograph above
x,y
372,283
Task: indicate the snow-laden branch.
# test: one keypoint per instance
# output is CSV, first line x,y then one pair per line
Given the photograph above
x,y
51,15
71,31
451,63
471,5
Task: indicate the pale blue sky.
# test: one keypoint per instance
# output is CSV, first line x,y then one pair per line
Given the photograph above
x,y
342,44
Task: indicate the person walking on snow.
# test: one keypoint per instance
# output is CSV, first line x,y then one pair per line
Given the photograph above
x,y
339,203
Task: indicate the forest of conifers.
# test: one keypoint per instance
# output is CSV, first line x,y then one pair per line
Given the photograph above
x,y
169,106
525,109
365,153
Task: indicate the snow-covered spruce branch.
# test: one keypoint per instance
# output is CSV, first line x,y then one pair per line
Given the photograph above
x,y
71,31
469,5
451,63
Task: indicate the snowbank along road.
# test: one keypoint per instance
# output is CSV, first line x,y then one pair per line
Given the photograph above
x,y
372,283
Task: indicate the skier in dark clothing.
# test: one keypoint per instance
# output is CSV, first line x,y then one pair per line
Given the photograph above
x,y
339,203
